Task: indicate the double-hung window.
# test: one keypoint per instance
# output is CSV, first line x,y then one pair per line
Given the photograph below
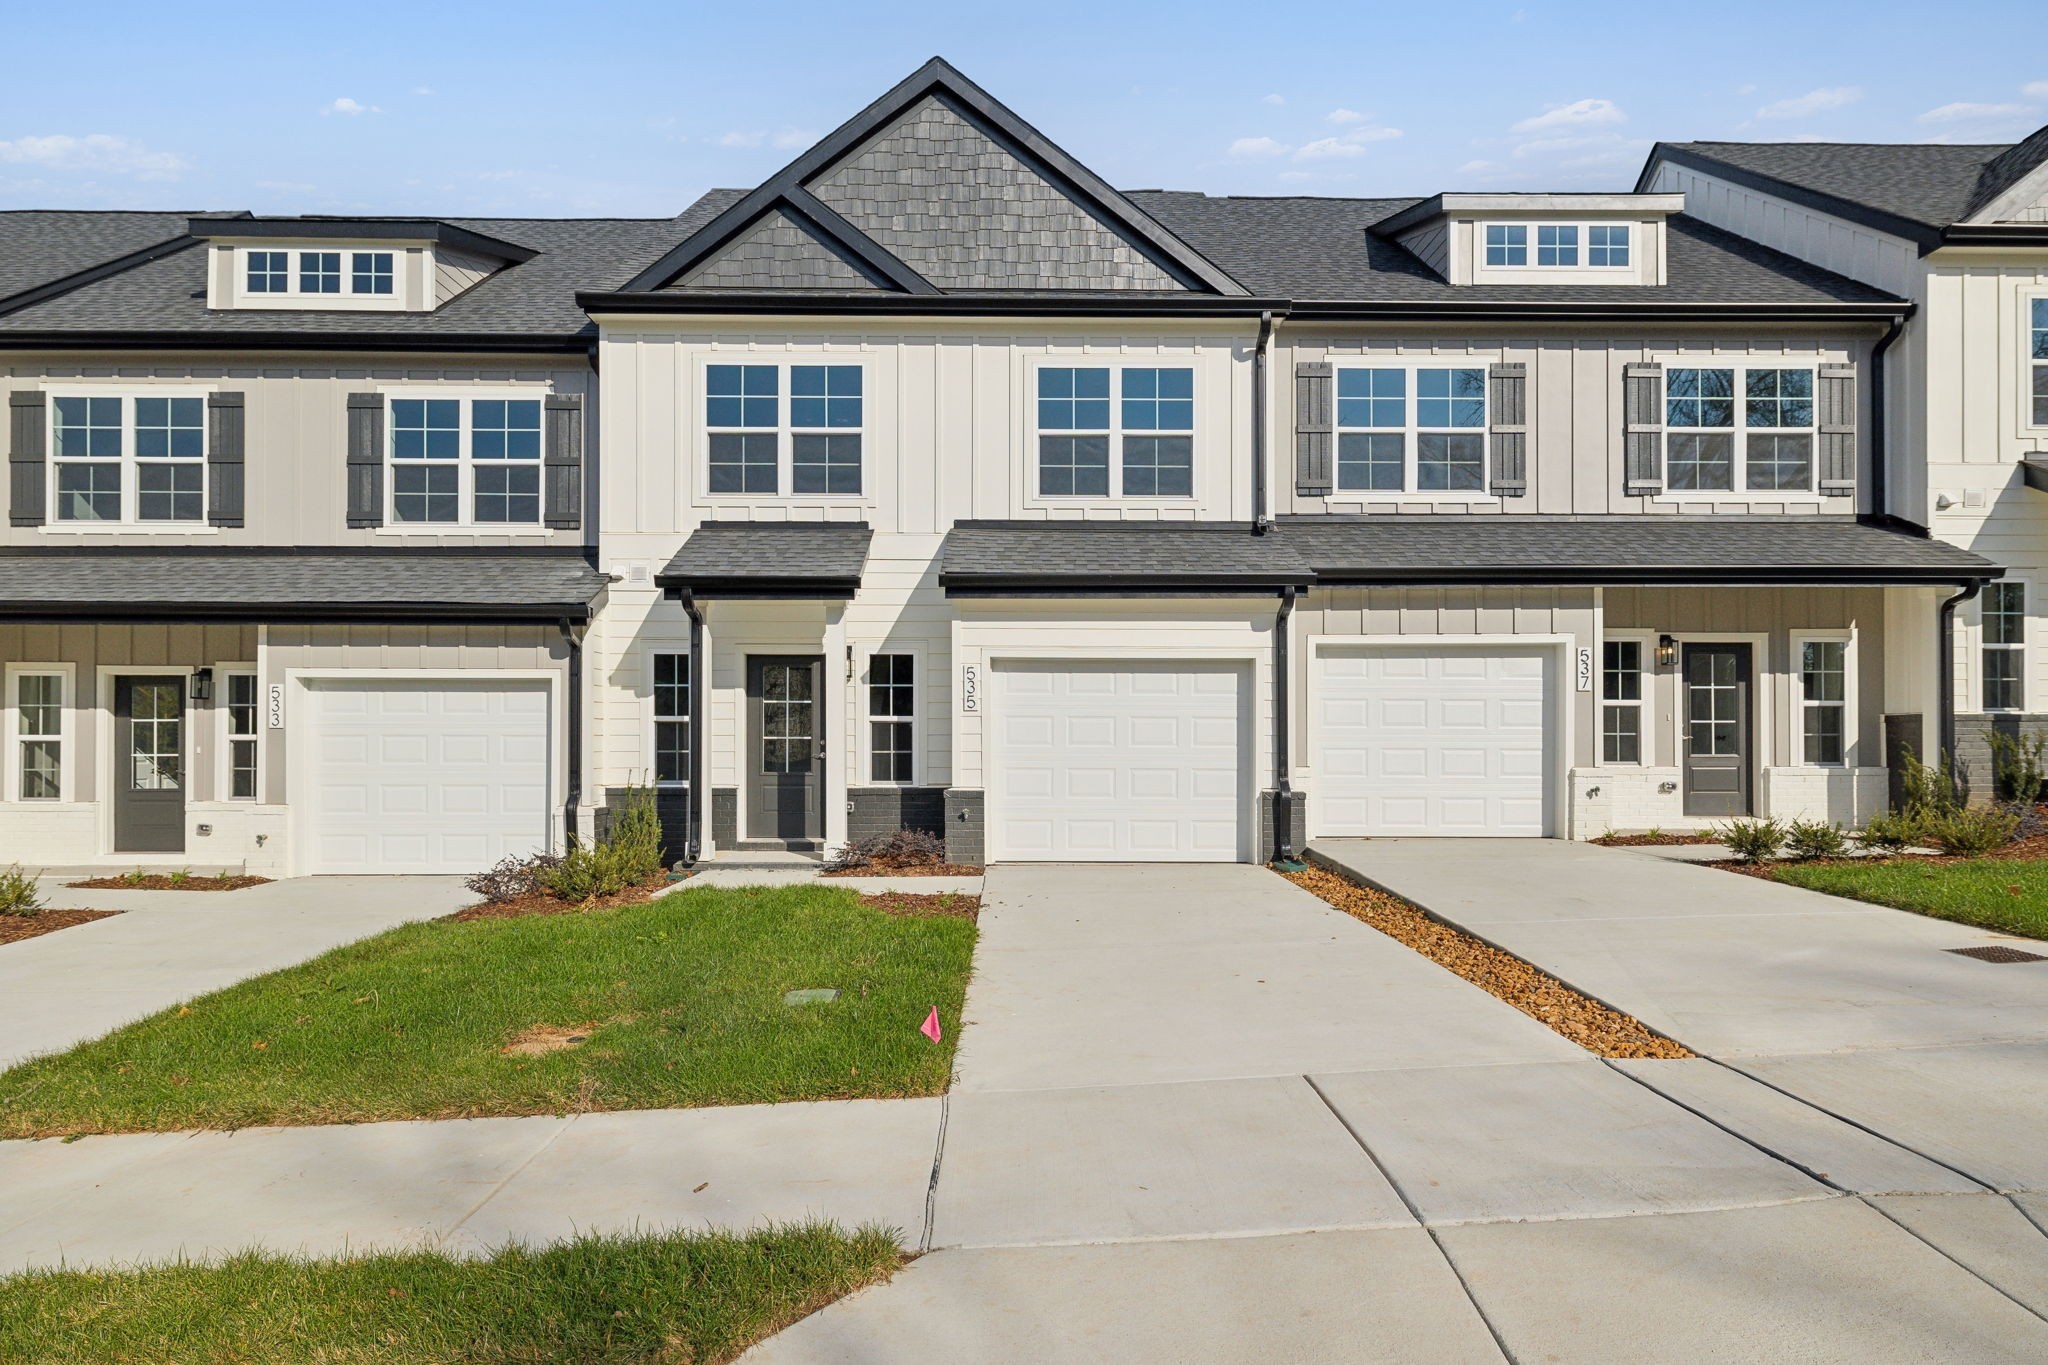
x,y
2005,646
2037,353
36,714
1770,447
1421,429
1143,416
672,719
1824,702
748,429
128,459
892,704
1621,701
240,718
465,461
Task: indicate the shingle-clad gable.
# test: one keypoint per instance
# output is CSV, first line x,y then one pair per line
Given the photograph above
x,y
777,253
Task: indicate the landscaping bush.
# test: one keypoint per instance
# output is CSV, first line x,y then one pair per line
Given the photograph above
x,y
513,878
1805,839
2017,766
635,836
883,852
1753,841
18,893
1972,833
1890,832
1928,792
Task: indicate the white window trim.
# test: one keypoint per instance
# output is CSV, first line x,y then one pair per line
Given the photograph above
x,y
1115,432
2028,365
466,523
1795,682
131,491
1635,244
225,737
10,733
1645,642
916,718
2025,649
784,431
653,719
1739,476
405,258
1412,431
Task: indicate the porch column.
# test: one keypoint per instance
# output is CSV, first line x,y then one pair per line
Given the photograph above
x,y
841,739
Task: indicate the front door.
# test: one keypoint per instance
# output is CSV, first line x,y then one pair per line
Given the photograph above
x,y
786,742
149,765
1717,729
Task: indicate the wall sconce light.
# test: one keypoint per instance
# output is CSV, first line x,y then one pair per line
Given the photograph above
x,y
1667,651
202,684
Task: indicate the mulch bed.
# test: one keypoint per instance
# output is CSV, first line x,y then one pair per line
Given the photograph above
x,y
1652,840
15,928
913,905
162,881
914,870
1504,976
540,903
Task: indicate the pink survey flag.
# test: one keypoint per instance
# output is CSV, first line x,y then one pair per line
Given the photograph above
x,y
930,1027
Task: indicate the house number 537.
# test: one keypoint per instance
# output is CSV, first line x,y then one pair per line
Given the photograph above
x,y
1585,670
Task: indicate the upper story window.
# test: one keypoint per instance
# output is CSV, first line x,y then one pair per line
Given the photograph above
x,y
750,433
1507,244
1740,427
128,458
2005,646
465,461
1149,424
320,273
270,272
1558,246
2037,352
1420,429
1607,244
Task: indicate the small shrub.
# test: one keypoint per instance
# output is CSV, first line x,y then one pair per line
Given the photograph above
x,y
884,852
1972,833
1753,841
635,838
1890,832
2019,766
513,878
1815,839
135,878
586,873
181,876
18,893
1928,792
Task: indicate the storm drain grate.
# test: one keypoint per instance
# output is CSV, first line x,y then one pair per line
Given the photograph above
x,y
1997,954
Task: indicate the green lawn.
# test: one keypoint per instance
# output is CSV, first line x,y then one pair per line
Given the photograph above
x,y
680,1000
683,1298
1992,893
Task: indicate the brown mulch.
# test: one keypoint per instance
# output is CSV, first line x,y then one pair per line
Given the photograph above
x,y
914,905
540,903
1652,840
1542,997
15,928
912,870
163,881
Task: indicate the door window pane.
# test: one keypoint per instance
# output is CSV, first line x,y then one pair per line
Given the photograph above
x,y
156,747
786,718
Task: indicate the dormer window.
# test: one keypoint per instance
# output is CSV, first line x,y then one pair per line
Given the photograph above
x,y
1557,244
367,274
269,272
372,272
319,272
1507,244
342,265
1607,245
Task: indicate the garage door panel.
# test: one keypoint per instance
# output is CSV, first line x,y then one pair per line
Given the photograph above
x,y
1453,741
1151,762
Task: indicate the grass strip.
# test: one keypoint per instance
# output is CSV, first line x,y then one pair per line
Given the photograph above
x,y
700,1297
2008,895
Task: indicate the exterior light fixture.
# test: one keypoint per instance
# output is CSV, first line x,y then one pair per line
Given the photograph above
x,y
1667,651
202,684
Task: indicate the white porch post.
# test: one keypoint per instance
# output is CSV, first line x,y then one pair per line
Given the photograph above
x,y
842,745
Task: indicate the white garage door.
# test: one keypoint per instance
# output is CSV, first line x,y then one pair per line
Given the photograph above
x,y
1124,761
1443,741
424,776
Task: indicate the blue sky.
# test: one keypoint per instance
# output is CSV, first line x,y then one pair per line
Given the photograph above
x,y
516,109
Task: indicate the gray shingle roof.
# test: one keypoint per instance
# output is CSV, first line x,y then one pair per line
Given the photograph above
x,y
1319,249
283,585
40,245
1640,549
770,559
1079,556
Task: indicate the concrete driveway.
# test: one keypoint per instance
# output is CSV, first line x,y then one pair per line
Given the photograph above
x,y
1201,1116
168,946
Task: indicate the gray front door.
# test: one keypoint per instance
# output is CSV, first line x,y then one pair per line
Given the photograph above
x,y
149,765
1717,729
786,742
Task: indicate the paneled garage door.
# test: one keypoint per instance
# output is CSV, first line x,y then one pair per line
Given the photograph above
x,y
1124,761
431,775
1433,741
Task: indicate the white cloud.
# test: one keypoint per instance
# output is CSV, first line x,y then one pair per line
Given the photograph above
x,y
736,138
1345,116
1347,144
1480,167
1746,89
350,108
1577,114
792,139
1307,177
1275,99
423,90
93,152
1813,102
2035,90
1257,146
1965,112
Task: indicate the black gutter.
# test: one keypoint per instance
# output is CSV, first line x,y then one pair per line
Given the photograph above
x,y
1880,425
27,298
410,554
1338,310
1283,794
1261,523
1996,234
45,612
572,633
1101,585
1466,574
572,343
2034,471
944,305
693,848
1945,680
760,589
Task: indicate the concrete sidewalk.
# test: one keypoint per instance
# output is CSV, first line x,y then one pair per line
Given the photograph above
x,y
167,946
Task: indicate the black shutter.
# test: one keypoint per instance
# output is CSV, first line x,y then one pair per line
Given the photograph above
x,y
1836,443
366,459
1314,457
224,445
1508,411
562,484
27,466
1643,430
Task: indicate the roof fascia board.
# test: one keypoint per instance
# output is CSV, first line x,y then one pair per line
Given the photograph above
x,y
1652,311
711,589
1920,234
1995,235
41,612
1135,304
343,229
576,343
1449,204
51,289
